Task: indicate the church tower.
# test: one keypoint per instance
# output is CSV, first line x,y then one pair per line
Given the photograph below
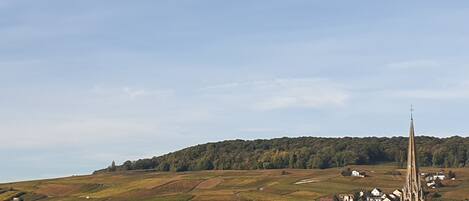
x,y
412,190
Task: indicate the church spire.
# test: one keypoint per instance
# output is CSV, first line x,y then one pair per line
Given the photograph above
x,y
412,189
412,112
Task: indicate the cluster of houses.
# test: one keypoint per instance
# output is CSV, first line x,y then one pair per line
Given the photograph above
x,y
375,195
433,180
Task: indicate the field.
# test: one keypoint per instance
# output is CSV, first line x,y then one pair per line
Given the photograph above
x,y
268,185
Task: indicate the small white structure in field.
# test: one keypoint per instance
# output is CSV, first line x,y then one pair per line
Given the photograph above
x,y
357,174
431,184
439,176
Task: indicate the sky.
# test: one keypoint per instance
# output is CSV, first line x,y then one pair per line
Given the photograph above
x,y
83,83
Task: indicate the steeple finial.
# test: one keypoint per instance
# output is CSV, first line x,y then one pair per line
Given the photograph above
x,y
411,112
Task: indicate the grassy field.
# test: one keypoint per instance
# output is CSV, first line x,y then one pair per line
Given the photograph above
x,y
268,185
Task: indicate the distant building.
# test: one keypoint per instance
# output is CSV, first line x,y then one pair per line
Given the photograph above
x,y
433,180
393,197
397,193
431,184
378,195
346,197
439,176
358,174
386,198
375,195
376,192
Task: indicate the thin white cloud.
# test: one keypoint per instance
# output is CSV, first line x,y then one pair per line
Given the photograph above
x,y
282,93
131,92
458,91
258,130
452,94
404,65
222,86
74,131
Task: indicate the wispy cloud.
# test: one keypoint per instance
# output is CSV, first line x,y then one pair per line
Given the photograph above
x,y
132,92
411,64
442,94
258,130
283,93
74,131
459,91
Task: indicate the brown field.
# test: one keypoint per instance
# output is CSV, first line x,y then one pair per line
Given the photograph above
x,y
268,185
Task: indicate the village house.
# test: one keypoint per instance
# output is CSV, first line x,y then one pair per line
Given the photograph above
x,y
434,180
439,176
346,197
397,193
432,177
431,184
393,197
356,173
375,195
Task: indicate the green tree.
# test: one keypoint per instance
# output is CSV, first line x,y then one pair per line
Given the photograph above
x,y
113,167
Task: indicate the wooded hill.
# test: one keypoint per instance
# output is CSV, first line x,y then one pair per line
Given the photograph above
x,y
305,153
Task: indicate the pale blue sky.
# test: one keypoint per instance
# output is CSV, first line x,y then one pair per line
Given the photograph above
x,y
83,83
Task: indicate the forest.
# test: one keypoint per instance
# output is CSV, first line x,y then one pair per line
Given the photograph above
x,y
305,153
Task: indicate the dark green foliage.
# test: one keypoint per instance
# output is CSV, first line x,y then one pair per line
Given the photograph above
x,y
358,197
438,183
335,198
306,153
435,195
346,172
451,174
127,165
113,167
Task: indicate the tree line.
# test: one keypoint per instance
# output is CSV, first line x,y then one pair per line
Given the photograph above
x,y
305,153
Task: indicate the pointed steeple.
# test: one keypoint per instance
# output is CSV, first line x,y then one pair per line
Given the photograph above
x,y
412,189
412,116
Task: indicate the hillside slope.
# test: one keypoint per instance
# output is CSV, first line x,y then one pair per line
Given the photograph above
x,y
227,185
305,153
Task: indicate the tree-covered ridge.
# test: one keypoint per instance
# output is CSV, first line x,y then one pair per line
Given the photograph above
x,y
305,153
